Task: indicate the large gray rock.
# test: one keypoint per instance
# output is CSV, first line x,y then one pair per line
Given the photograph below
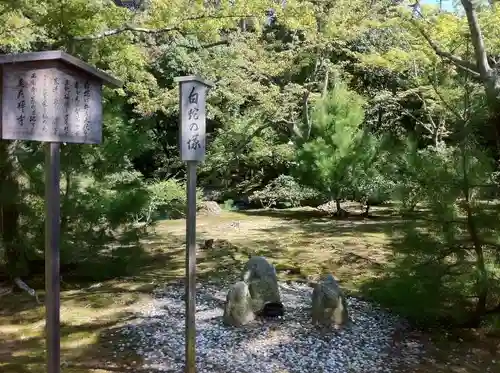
x,y
329,307
209,208
238,308
260,275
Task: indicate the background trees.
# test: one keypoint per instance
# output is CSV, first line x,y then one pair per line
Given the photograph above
x,y
366,101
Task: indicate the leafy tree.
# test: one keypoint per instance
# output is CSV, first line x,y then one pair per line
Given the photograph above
x,y
447,257
423,36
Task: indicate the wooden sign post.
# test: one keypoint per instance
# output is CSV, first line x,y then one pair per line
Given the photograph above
x,y
192,112
51,97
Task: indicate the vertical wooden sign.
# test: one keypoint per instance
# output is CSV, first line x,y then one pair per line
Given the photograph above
x,y
192,117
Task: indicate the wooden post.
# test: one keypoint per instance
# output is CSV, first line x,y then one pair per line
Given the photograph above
x,y
192,112
51,97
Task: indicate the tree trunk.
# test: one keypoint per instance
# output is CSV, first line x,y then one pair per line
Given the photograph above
x,y
337,204
482,281
487,74
14,256
341,213
480,68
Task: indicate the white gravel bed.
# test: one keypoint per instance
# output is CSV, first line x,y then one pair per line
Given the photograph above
x,y
288,345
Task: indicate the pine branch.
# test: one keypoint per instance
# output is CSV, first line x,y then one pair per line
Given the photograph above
x,y
161,30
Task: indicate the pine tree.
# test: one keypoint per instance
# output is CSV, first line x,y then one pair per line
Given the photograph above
x,y
327,160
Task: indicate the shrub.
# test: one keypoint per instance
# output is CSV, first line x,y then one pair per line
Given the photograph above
x,y
283,190
94,212
229,205
167,200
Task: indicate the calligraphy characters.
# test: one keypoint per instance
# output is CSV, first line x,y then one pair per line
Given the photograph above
x,y
67,104
32,118
77,101
50,104
45,104
86,108
21,101
193,141
55,94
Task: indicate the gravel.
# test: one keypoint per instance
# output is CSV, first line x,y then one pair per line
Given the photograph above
x,y
288,345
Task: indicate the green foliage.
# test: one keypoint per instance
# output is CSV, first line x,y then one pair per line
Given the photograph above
x,y
167,200
277,109
325,161
372,173
284,191
438,275
228,205
91,213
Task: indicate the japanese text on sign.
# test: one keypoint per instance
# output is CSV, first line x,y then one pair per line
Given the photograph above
x,y
193,141
193,129
50,105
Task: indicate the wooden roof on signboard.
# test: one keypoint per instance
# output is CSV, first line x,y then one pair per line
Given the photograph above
x,y
193,78
63,57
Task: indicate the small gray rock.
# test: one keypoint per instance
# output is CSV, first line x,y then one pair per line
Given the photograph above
x,y
329,306
260,275
238,308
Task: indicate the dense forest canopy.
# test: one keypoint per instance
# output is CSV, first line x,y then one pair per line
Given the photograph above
x,y
313,101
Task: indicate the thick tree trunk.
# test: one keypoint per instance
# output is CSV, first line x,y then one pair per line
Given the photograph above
x,y
487,74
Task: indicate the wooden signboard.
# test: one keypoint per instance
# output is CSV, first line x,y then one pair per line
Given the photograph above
x,y
51,97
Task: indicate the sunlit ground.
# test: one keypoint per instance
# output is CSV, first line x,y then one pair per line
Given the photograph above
x,y
301,243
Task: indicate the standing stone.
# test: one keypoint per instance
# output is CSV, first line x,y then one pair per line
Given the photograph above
x,y
262,281
329,307
238,308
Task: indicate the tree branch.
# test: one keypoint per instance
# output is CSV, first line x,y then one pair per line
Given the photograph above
x,y
445,102
477,39
457,61
22,285
205,46
162,30
121,30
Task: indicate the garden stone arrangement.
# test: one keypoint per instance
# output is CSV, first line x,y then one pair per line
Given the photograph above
x,y
288,344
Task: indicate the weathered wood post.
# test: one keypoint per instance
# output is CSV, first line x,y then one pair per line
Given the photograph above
x,y
55,98
192,117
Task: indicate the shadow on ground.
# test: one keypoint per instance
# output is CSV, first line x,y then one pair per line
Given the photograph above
x,y
304,214
101,295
